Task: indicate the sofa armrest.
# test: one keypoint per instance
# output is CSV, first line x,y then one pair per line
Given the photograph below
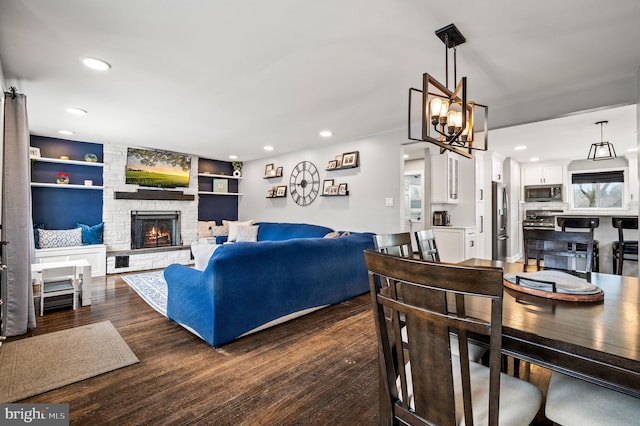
x,y
190,299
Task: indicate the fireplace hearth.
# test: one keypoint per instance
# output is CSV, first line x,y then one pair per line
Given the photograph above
x,y
151,229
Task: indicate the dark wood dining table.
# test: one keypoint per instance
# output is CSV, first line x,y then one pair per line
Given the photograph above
x,y
598,342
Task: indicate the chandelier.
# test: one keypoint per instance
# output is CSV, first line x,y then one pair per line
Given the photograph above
x,y
448,119
601,150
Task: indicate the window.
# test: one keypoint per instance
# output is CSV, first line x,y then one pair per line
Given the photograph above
x,y
597,190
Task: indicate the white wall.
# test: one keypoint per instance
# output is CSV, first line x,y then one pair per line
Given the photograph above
x,y
378,177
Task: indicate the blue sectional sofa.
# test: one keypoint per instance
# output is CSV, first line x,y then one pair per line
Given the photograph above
x,y
246,286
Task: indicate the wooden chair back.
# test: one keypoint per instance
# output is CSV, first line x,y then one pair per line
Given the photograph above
x,y
577,222
417,376
395,244
427,247
559,250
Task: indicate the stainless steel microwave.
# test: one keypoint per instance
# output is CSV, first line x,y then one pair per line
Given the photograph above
x,y
543,193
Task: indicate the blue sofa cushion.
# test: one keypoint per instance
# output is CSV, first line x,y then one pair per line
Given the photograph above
x,y
272,231
91,234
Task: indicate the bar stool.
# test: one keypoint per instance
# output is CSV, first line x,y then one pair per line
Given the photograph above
x,y
583,223
624,249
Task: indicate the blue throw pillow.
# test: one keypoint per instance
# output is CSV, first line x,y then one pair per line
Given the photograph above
x,y
91,234
36,240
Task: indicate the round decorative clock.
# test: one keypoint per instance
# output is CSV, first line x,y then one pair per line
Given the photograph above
x,y
304,183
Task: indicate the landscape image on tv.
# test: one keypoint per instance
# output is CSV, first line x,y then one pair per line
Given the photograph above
x,y
155,168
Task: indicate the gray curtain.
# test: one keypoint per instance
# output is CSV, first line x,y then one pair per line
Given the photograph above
x,y
17,227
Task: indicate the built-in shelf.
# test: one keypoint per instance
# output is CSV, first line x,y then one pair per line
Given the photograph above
x,y
211,175
73,162
154,195
65,186
218,193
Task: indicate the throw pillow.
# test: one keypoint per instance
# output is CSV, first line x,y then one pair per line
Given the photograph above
x,y
60,237
36,240
334,234
233,227
219,231
247,233
91,234
204,228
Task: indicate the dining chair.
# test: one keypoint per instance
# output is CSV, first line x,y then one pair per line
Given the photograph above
x,y
58,281
421,380
572,401
396,244
592,223
427,247
624,249
559,250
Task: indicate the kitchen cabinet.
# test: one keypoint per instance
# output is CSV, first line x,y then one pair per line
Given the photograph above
x,y
455,244
497,168
478,164
542,175
444,179
481,231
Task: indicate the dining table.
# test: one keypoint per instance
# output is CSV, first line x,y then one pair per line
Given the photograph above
x,y
595,341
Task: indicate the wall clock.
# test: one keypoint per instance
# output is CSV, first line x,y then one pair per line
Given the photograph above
x,y
304,183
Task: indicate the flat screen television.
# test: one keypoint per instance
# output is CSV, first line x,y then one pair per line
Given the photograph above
x,y
157,169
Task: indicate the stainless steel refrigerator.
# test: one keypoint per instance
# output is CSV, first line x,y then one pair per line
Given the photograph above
x,y
499,215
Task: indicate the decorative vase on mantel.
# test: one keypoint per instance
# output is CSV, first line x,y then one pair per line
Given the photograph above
x,y
62,178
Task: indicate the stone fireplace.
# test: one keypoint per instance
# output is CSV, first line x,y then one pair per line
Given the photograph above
x,y
151,229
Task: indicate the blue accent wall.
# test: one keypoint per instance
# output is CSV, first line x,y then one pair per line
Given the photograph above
x,y
62,208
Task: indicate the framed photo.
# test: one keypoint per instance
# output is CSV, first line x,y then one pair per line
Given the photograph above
x,y
333,190
326,184
281,191
268,169
279,172
220,185
338,161
350,159
332,164
270,193
342,189
34,152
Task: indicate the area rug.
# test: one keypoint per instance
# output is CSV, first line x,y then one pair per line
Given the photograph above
x,y
42,363
152,287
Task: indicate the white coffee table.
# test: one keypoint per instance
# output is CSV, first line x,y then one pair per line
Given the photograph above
x,y
83,273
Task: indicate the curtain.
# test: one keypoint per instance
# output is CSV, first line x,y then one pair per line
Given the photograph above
x,y
17,226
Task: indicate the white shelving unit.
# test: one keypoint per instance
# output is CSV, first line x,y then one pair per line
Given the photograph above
x,y
214,176
74,162
65,186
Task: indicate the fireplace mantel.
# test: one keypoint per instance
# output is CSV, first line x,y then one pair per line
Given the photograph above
x,y
150,194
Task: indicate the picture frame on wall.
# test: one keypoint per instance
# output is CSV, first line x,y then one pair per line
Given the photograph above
x,y
332,164
279,172
342,189
333,190
34,152
281,191
350,159
338,161
270,193
220,185
326,184
268,169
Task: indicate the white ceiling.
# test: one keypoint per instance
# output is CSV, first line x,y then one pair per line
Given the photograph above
x,y
223,77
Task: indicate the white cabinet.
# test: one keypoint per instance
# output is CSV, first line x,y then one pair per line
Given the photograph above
x,y
497,168
444,179
542,175
95,254
455,244
478,164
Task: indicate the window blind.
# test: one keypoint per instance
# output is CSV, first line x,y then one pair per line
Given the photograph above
x,y
598,177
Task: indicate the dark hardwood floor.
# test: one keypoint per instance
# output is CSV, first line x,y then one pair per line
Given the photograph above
x,y
319,369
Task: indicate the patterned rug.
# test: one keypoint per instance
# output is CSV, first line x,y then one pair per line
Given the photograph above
x,y
152,287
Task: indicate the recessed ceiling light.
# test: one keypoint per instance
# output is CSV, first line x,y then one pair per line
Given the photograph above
x,y
632,149
520,147
268,148
65,132
76,111
96,64
326,133
406,156
534,159
233,157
